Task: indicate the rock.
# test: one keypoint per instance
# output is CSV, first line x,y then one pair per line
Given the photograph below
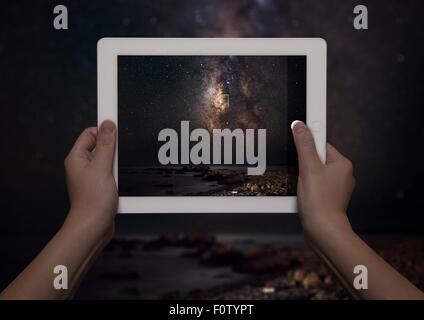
x,y
195,168
259,251
268,290
254,187
277,261
232,179
197,240
320,295
299,276
328,280
191,253
163,240
291,283
212,176
222,254
322,270
311,281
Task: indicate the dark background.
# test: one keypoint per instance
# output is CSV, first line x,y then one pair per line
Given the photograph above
x,y
48,95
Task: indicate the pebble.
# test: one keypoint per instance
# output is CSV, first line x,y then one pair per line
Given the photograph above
x,y
254,187
311,280
299,275
268,290
328,280
320,295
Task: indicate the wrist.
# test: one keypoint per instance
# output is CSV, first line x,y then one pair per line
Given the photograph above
x,y
318,229
81,225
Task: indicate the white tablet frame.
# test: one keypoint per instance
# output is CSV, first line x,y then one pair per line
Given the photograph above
x,y
315,49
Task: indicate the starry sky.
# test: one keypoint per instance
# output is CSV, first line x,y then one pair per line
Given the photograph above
x,y
247,92
48,95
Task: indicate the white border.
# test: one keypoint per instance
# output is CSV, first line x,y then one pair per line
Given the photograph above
x,y
314,48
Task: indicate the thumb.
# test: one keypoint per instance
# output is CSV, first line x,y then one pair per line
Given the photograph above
x,y
105,145
305,146
333,155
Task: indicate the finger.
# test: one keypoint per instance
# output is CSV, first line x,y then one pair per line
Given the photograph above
x,y
86,142
305,146
105,146
333,155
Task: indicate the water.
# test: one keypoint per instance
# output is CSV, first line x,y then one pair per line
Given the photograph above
x,y
160,181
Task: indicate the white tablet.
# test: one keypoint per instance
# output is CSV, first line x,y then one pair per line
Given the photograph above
x,y
204,124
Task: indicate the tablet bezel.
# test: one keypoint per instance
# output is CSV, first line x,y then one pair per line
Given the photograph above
x,y
315,49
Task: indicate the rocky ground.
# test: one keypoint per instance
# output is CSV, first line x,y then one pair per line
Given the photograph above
x,y
236,183
277,272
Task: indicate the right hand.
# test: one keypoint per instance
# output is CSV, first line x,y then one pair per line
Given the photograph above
x,y
323,190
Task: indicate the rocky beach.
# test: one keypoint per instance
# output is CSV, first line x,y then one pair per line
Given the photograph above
x,y
200,266
204,180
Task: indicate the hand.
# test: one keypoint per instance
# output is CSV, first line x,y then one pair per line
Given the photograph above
x,y
91,186
323,190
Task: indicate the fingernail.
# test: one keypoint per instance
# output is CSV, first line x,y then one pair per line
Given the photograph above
x,y
107,127
298,126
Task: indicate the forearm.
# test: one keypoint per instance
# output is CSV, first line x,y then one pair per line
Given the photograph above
x,y
341,249
74,247
86,265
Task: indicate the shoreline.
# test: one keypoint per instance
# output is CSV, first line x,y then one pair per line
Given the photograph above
x,y
206,181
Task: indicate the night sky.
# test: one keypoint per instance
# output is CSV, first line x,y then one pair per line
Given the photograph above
x,y
48,95
212,93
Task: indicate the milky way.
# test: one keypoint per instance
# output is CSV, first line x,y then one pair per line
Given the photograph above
x,y
246,92
234,91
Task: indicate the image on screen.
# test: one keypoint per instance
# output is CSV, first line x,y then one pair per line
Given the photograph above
x,y
209,125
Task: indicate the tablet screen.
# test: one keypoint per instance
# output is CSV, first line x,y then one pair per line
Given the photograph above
x,y
209,125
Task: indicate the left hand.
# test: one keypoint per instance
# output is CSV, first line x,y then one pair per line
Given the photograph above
x,y
91,186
